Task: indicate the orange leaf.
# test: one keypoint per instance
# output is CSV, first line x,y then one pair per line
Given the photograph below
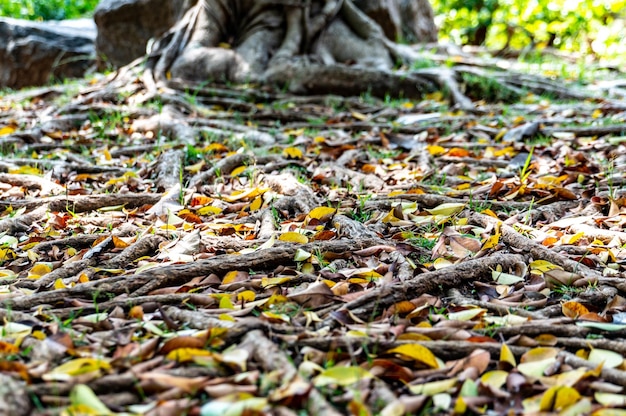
x,y
458,152
573,309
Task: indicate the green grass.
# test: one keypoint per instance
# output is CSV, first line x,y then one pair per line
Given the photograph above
x,y
47,9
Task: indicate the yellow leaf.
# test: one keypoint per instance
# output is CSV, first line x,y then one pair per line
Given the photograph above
x,y
434,387
244,194
557,398
209,210
292,153
226,303
216,148
322,214
269,282
7,130
58,284
196,167
506,355
276,316
341,376
294,132
539,354
459,407
494,379
441,263
39,269
183,355
543,266
573,239
416,352
7,274
435,150
609,412
238,170
447,209
490,213
25,170
294,237
256,204
246,296
491,242
534,362
359,116
76,367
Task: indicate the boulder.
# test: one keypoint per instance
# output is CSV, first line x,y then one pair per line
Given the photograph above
x,y
34,53
125,26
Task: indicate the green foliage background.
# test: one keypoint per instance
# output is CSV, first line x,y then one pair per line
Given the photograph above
x,y
595,27
592,27
46,9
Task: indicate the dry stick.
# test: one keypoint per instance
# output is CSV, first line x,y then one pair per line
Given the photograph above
x,y
149,303
272,358
169,169
593,232
577,343
451,350
457,297
174,274
22,222
78,241
13,316
535,250
432,200
587,131
63,272
611,375
83,203
563,327
446,350
32,181
223,167
437,281
141,248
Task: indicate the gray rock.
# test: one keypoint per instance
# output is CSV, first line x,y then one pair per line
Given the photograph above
x,y
13,397
125,26
34,53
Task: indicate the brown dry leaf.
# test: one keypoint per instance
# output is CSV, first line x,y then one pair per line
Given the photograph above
x,y
314,296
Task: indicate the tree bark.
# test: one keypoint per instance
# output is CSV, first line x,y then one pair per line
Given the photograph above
x,y
286,42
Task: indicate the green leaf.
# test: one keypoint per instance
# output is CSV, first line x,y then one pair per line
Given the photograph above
x,y
82,395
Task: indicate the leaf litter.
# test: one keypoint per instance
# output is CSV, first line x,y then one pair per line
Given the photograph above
x,y
222,251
